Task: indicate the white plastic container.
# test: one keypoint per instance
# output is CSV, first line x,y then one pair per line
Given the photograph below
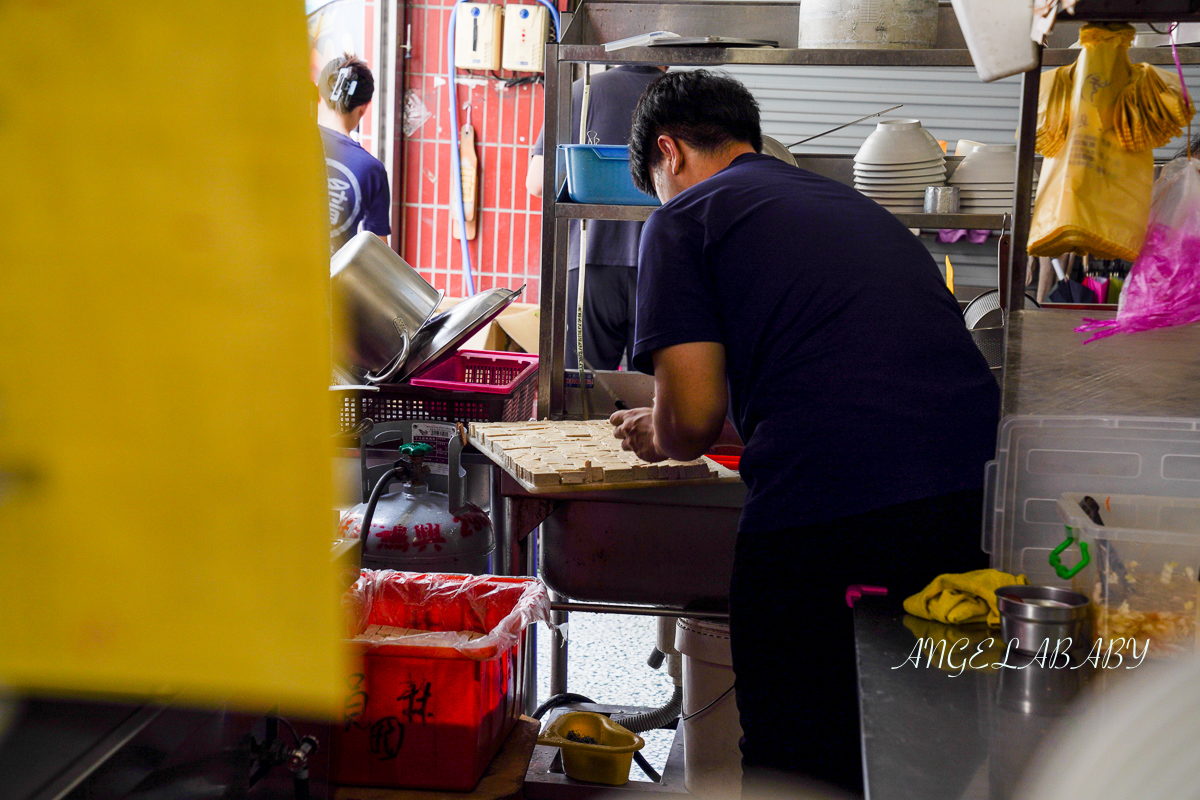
x,y
869,24
998,36
1039,458
712,763
1143,569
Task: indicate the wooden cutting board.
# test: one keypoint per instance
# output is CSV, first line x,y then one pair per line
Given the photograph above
x,y
546,457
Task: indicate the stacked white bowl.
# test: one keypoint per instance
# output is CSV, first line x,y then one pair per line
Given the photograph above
x,y
895,164
985,179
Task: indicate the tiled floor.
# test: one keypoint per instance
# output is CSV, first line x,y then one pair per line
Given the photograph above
x,y
607,662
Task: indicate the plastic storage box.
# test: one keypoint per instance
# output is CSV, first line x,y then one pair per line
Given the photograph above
x,y
1038,459
1143,568
431,711
599,173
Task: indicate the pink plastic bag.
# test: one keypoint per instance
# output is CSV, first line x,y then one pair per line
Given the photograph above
x,y
1163,288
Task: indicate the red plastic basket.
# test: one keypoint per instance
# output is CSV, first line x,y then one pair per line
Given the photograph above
x,y
433,717
471,386
479,371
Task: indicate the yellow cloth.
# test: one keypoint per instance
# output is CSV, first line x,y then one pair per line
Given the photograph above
x,y
959,599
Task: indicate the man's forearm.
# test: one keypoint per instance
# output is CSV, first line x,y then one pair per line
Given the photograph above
x,y
679,439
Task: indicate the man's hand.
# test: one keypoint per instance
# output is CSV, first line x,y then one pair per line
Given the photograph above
x,y
635,428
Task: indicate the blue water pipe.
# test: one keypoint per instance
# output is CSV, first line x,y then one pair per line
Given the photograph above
x,y
456,198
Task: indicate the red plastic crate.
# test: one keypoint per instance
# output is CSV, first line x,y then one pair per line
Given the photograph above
x,y
479,371
433,715
504,389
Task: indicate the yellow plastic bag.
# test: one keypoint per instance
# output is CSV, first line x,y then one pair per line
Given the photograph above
x,y
1151,110
1094,193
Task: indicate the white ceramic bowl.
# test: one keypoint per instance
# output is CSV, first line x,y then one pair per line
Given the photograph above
x,y
938,164
892,190
902,200
898,141
926,180
918,191
987,163
965,146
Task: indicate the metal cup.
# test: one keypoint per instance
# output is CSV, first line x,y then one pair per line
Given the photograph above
x,y
385,302
1032,615
941,200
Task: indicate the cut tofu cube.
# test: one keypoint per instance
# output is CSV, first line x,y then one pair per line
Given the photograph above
x,y
618,473
570,476
543,479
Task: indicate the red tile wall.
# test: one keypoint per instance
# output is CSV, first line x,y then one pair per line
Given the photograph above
x,y
506,249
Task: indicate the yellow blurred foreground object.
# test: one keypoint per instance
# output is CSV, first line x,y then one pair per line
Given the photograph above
x,y
961,598
1098,122
949,275
165,480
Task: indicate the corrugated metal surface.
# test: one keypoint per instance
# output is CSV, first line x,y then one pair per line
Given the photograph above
x,y
801,101
951,103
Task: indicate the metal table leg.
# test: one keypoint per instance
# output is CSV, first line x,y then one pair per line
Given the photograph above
x,y
524,553
558,651
499,506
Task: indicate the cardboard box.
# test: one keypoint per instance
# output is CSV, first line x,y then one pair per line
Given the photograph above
x,y
516,330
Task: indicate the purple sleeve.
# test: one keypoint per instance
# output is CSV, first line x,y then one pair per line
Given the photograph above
x,y
676,301
378,217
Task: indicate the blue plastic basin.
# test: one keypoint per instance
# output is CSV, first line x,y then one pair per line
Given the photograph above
x,y
599,173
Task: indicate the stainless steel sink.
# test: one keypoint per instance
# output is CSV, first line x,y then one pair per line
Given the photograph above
x,y
671,547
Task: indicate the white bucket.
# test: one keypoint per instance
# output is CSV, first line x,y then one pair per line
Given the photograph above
x,y
869,24
998,36
712,762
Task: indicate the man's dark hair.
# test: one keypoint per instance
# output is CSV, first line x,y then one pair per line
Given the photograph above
x,y
706,110
357,85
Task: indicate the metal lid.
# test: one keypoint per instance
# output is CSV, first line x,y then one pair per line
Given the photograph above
x,y
442,335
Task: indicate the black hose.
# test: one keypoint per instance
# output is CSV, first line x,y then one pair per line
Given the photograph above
x,y
566,698
380,485
560,700
651,773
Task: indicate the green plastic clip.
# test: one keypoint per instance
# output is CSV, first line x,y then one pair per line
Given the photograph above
x,y
419,449
1063,571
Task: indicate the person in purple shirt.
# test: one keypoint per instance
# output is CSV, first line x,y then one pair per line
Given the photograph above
x,y
820,326
358,182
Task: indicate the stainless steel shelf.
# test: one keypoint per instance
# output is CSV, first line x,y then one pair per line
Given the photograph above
x,y
715,56
974,222
587,211
993,222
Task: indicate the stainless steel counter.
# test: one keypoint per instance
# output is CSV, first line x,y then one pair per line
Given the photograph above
x,y
930,735
1050,372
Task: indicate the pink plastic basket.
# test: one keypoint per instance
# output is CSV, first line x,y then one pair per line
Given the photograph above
x,y
479,371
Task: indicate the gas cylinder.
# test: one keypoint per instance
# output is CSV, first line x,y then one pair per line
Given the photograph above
x,y
414,529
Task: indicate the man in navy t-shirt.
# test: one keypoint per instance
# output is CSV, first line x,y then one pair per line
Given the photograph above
x,y
612,247
358,183
821,326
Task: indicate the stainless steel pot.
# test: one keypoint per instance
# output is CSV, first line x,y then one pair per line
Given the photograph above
x,y
385,301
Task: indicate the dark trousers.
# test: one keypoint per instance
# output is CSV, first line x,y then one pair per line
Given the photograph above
x,y
793,634
609,310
